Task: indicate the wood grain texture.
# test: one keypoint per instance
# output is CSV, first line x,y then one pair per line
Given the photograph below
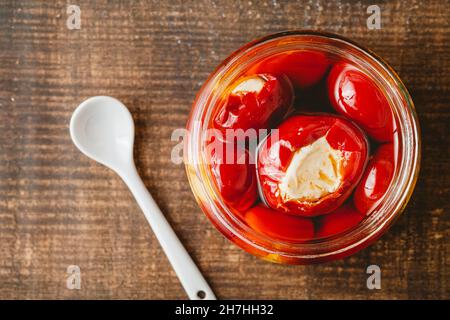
x,y
59,208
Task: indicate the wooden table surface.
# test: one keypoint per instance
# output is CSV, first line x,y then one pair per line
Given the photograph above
x,y
58,208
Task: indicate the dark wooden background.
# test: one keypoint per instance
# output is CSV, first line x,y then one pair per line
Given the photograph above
x,y
58,208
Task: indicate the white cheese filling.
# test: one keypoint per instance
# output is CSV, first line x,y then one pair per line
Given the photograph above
x,y
314,172
250,84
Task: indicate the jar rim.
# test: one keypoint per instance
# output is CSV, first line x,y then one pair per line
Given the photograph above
x,y
373,226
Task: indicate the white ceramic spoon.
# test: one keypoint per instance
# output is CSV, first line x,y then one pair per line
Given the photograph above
x,y
103,129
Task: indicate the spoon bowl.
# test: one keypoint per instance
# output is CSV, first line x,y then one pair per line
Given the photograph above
x,y
103,129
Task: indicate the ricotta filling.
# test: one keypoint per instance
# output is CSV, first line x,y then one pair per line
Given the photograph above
x,y
314,172
250,84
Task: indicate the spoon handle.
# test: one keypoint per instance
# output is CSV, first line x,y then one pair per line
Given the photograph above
x,y
190,276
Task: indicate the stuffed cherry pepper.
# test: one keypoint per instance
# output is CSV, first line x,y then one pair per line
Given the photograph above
x,y
304,68
342,219
280,226
354,95
311,164
254,102
376,179
234,173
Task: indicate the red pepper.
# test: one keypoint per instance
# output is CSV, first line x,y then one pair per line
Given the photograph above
x,y
376,179
280,226
345,164
355,95
254,102
234,174
304,68
342,219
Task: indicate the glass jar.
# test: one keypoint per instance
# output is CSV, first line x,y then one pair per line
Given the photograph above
x,y
319,250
